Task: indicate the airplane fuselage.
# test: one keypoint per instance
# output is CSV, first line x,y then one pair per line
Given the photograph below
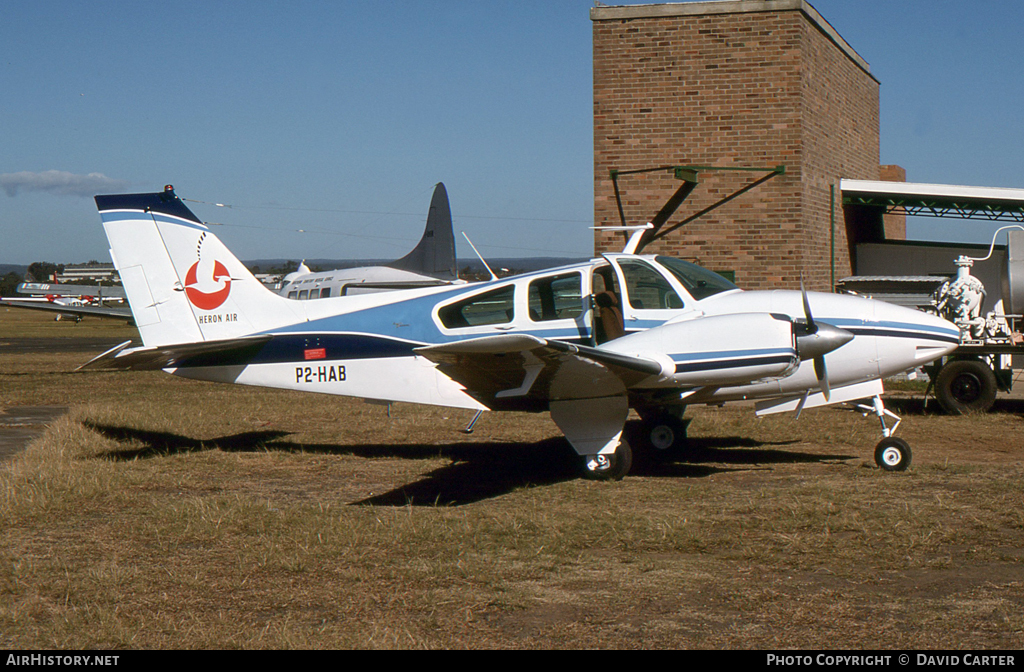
x,y
364,346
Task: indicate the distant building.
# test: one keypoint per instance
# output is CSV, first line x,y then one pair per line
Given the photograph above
x,y
88,273
735,83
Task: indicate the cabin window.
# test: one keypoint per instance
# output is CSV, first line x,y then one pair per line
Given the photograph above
x,y
494,307
325,292
304,294
292,295
647,288
556,298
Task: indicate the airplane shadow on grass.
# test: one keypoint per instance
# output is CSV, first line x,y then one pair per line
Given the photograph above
x,y
478,470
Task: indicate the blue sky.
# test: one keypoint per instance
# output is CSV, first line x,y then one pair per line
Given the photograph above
x,y
337,118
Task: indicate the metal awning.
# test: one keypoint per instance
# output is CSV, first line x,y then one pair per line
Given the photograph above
x,y
936,200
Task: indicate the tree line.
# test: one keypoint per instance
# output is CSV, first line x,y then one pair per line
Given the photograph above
x,y
38,271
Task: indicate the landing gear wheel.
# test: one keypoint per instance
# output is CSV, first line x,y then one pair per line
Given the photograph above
x,y
892,454
611,467
664,437
966,386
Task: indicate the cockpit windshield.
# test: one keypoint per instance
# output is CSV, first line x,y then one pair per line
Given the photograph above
x,y
699,282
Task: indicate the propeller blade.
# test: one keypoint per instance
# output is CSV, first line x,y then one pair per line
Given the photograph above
x,y
807,307
822,374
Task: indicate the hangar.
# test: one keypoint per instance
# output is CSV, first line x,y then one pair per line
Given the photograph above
x,y
923,266
736,84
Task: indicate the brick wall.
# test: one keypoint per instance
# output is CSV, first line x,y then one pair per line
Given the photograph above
x,y
733,84
895,224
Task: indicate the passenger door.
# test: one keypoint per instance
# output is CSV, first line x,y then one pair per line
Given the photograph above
x,y
648,297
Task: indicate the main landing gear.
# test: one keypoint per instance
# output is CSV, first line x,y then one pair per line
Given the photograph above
x,y
891,453
661,438
609,467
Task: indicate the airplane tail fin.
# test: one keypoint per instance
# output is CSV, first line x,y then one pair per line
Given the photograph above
x,y
435,253
182,283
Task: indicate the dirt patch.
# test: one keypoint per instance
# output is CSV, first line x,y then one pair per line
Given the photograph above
x,y
21,424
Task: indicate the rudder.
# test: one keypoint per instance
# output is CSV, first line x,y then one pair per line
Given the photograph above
x,y
434,255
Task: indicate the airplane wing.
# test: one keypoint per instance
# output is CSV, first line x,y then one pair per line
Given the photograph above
x,y
124,313
217,353
523,371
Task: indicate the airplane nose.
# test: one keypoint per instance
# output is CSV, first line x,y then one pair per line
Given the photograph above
x,y
951,331
823,340
912,338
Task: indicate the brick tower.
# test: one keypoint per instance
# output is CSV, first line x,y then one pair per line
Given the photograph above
x,y
734,83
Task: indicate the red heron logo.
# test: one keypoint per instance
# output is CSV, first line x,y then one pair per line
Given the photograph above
x,y
211,292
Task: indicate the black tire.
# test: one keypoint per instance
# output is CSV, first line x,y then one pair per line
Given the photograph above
x,y
664,437
966,386
612,467
892,454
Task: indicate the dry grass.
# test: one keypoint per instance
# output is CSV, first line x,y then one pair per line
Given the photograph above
x,y
165,513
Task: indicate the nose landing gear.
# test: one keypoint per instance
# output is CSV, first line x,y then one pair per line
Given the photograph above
x,y
891,453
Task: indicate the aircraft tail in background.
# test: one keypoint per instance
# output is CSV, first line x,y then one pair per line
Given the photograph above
x,y
435,253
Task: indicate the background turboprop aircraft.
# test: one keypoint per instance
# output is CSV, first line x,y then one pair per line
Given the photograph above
x,y
431,263
668,333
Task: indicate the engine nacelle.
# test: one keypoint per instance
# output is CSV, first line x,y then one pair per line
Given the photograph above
x,y
718,350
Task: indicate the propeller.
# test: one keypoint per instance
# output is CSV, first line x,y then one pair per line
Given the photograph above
x,y
817,339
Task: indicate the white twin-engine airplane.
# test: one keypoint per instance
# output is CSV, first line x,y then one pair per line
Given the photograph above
x,y
585,342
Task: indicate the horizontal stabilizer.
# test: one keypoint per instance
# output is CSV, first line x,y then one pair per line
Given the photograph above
x,y
209,353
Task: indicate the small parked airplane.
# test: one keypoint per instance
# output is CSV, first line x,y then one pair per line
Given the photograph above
x,y
431,263
71,301
585,342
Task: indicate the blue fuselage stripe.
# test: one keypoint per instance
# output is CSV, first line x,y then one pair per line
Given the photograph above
x,y
296,348
892,333
733,363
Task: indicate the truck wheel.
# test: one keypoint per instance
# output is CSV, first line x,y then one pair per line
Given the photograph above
x,y
966,386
